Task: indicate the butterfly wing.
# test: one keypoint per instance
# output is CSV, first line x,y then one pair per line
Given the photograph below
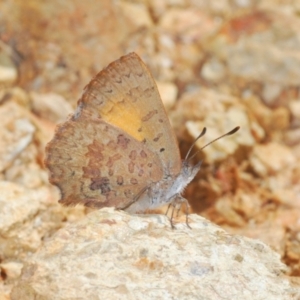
x,y
97,164
125,95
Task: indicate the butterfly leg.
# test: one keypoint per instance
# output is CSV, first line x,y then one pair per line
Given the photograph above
x,y
173,204
178,210
176,204
168,209
179,200
187,212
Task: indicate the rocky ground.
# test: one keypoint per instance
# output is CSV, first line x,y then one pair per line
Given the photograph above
x,y
218,64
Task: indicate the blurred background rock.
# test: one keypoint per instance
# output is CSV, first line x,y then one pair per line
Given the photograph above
x,y
218,64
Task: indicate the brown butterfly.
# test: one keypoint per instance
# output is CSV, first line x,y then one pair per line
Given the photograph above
x,y
118,148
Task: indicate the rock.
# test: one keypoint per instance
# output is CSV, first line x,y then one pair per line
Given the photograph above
x,y
271,158
51,106
16,134
8,74
219,113
168,92
8,71
140,12
270,92
11,269
188,25
113,255
213,70
18,208
294,109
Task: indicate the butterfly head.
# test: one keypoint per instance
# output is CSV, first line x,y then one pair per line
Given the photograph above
x,y
186,175
189,171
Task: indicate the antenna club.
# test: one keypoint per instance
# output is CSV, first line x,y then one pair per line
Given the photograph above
x,y
234,130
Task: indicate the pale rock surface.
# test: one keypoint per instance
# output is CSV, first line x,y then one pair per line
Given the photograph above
x,y
168,92
8,71
269,54
292,137
27,218
16,133
18,206
12,269
219,113
213,70
140,12
187,25
5,291
271,158
294,107
8,74
270,92
113,255
15,94
51,106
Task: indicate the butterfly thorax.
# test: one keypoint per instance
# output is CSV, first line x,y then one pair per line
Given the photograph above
x,y
166,190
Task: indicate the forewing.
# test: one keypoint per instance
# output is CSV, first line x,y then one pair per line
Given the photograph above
x,y
97,164
125,95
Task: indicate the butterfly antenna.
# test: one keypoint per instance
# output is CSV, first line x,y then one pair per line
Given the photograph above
x,y
234,130
195,141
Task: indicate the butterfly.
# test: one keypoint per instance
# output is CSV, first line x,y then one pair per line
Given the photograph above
x,y
118,148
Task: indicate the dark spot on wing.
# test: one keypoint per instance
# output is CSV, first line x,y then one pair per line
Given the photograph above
x,y
133,181
149,115
101,184
157,137
122,141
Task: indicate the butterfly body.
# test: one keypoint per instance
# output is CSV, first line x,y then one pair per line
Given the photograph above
x,y
166,190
